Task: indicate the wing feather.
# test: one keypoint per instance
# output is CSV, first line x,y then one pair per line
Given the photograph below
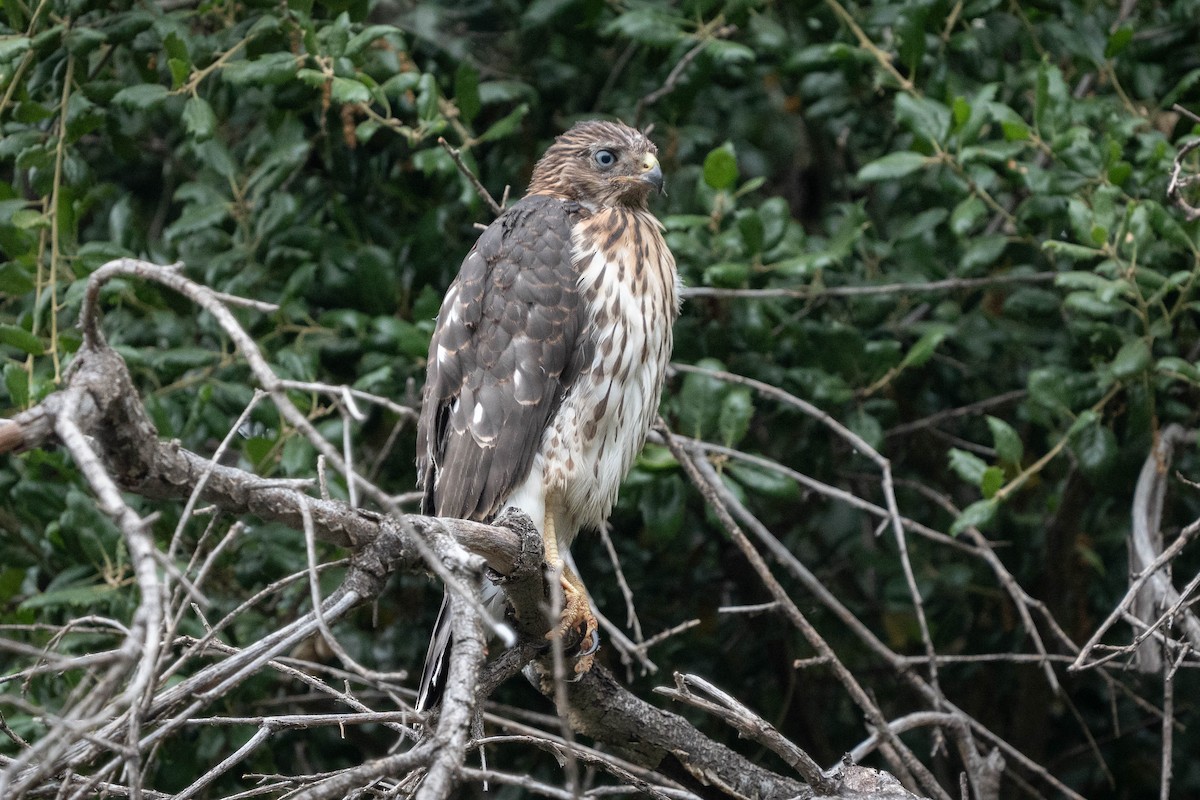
x,y
506,347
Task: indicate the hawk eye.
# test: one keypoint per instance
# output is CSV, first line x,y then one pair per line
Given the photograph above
x,y
605,158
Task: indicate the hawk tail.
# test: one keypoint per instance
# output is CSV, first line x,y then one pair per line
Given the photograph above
x,y
437,659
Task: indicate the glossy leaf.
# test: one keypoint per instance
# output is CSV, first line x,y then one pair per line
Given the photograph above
x,y
720,168
892,166
976,515
1009,447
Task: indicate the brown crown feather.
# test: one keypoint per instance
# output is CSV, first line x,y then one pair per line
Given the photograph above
x,y
568,169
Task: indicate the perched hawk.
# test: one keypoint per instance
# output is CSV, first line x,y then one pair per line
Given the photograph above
x,y
547,363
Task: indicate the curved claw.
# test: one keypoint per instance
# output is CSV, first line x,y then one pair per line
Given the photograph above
x,y
577,617
594,646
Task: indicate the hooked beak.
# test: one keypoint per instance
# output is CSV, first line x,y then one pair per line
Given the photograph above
x,y
652,172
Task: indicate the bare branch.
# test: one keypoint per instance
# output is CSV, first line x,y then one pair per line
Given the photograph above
x,y
673,77
484,194
891,289
1150,590
701,474
749,724
1180,183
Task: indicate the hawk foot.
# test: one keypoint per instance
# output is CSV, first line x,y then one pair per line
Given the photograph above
x,y
578,626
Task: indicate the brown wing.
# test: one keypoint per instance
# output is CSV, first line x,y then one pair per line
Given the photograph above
x,y
506,347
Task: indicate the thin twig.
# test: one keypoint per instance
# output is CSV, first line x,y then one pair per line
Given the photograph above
x,y
484,194
749,724
673,77
701,474
891,289
860,445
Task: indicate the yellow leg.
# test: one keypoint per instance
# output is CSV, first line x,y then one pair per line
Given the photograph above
x,y
577,612
550,531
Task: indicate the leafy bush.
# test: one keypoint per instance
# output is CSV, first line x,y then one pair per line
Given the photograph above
x,y
945,225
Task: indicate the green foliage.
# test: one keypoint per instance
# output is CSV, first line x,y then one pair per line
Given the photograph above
x,y
970,216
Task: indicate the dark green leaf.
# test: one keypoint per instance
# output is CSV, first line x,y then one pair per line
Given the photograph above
x,y
867,427
466,91
1132,360
657,458
16,381
70,597
648,26
763,482
976,515
13,47
141,96
1105,289
196,218
727,274
982,253
662,505
15,280
926,346
176,48
1089,304
1009,447
298,457
967,466
269,70
1095,446
428,95
750,225
1167,227
1072,251
346,90
21,339
725,52
82,41
700,400
371,34
1085,419
892,166
179,71
1118,40
966,215
540,12
1173,365
737,409
506,126
923,116
720,168
198,118
993,480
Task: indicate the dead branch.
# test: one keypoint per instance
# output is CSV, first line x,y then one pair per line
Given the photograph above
x,y
673,77
700,472
1152,599
1180,183
98,416
895,522
715,491
456,156
696,691
890,289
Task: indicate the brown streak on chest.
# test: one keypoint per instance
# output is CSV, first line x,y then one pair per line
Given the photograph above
x,y
618,231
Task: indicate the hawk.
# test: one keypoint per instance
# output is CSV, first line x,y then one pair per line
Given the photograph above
x,y
547,361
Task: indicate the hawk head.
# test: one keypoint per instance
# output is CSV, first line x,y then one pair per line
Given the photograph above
x,y
599,165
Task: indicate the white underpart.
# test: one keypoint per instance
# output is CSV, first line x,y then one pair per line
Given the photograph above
x,y
585,468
